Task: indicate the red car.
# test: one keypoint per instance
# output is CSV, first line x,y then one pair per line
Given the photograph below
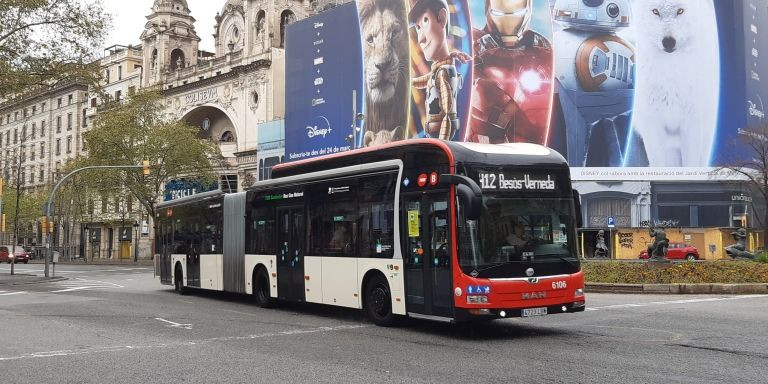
x,y
8,252
678,251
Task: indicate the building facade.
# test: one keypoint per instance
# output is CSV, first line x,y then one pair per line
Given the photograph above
x,y
235,95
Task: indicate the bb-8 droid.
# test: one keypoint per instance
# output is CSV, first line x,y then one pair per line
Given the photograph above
x,y
590,57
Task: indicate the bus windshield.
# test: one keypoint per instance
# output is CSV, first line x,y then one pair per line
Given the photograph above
x,y
515,234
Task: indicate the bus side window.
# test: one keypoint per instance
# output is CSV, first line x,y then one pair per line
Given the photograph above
x,y
181,234
261,231
333,218
377,215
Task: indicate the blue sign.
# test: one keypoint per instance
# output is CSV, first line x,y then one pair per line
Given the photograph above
x,y
324,84
176,189
611,222
478,289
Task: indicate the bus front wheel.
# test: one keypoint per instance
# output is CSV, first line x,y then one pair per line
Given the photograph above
x,y
378,301
261,289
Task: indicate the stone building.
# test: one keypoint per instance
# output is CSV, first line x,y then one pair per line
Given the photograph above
x,y
39,132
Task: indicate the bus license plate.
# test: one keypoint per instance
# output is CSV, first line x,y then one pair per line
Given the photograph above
x,y
529,312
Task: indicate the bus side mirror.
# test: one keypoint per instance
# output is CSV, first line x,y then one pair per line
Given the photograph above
x,y
469,193
577,207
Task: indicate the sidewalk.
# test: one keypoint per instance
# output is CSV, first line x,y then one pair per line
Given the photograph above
x,y
677,289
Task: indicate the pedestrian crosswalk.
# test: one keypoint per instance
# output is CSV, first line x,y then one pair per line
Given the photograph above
x,y
7,293
79,284
71,285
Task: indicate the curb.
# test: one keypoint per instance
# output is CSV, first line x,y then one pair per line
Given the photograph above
x,y
677,289
140,263
40,281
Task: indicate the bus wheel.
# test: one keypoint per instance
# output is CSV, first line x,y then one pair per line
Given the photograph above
x,y
178,284
261,289
378,302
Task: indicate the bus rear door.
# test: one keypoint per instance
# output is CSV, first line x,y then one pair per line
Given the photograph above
x,y
290,253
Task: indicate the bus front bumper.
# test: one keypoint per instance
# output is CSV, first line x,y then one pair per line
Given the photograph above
x,y
469,314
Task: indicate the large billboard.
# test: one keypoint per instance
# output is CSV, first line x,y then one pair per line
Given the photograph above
x,y
625,89
324,77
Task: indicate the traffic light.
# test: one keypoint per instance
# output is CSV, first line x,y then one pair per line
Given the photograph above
x,y
45,225
145,163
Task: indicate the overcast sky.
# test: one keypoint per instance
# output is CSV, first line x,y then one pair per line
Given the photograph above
x,y
129,17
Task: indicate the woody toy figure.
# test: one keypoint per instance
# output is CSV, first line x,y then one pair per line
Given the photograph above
x,y
430,19
512,90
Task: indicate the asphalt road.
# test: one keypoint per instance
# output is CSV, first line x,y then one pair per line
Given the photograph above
x,y
114,324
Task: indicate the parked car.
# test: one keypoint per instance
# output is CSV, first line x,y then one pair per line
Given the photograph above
x,y
8,252
678,251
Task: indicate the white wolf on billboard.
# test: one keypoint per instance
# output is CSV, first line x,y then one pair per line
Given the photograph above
x,y
678,80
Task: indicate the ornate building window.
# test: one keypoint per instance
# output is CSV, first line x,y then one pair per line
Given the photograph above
x,y
287,17
260,23
227,137
177,59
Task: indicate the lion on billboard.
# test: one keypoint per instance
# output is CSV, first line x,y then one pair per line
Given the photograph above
x,y
384,31
678,81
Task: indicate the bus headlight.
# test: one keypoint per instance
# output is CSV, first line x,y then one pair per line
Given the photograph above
x,y
579,292
457,292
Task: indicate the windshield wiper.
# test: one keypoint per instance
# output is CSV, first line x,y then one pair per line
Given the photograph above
x,y
499,265
566,259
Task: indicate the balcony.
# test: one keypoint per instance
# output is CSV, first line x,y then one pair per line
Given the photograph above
x,y
210,68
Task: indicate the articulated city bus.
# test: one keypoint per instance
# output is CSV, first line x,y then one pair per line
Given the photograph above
x,y
423,228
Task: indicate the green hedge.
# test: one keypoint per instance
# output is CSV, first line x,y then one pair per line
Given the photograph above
x,y
726,272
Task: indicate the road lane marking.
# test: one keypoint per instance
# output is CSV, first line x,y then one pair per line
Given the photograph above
x,y
12,293
175,325
122,348
80,284
670,302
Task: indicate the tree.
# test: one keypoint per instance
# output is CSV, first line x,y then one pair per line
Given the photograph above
x,y
48,42
22,213
749,159
15,181
137,130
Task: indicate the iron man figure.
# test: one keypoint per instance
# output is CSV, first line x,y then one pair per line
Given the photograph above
x,y
512,90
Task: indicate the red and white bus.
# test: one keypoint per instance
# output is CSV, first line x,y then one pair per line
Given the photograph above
x,y
421,228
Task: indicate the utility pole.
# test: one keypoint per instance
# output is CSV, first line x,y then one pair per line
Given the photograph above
x,y
48,208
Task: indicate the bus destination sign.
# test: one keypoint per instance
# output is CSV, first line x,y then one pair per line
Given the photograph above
x,y
501,181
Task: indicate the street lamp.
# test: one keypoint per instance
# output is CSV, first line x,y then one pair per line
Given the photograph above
x,y
136,242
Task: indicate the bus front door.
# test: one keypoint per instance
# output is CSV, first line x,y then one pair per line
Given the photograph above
x,y
427,250
290,254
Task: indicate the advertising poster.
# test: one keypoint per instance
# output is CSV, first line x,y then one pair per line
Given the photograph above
x,y
323,84
755,35
624,89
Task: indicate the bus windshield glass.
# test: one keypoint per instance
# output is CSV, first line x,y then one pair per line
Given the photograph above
x,y
514,234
